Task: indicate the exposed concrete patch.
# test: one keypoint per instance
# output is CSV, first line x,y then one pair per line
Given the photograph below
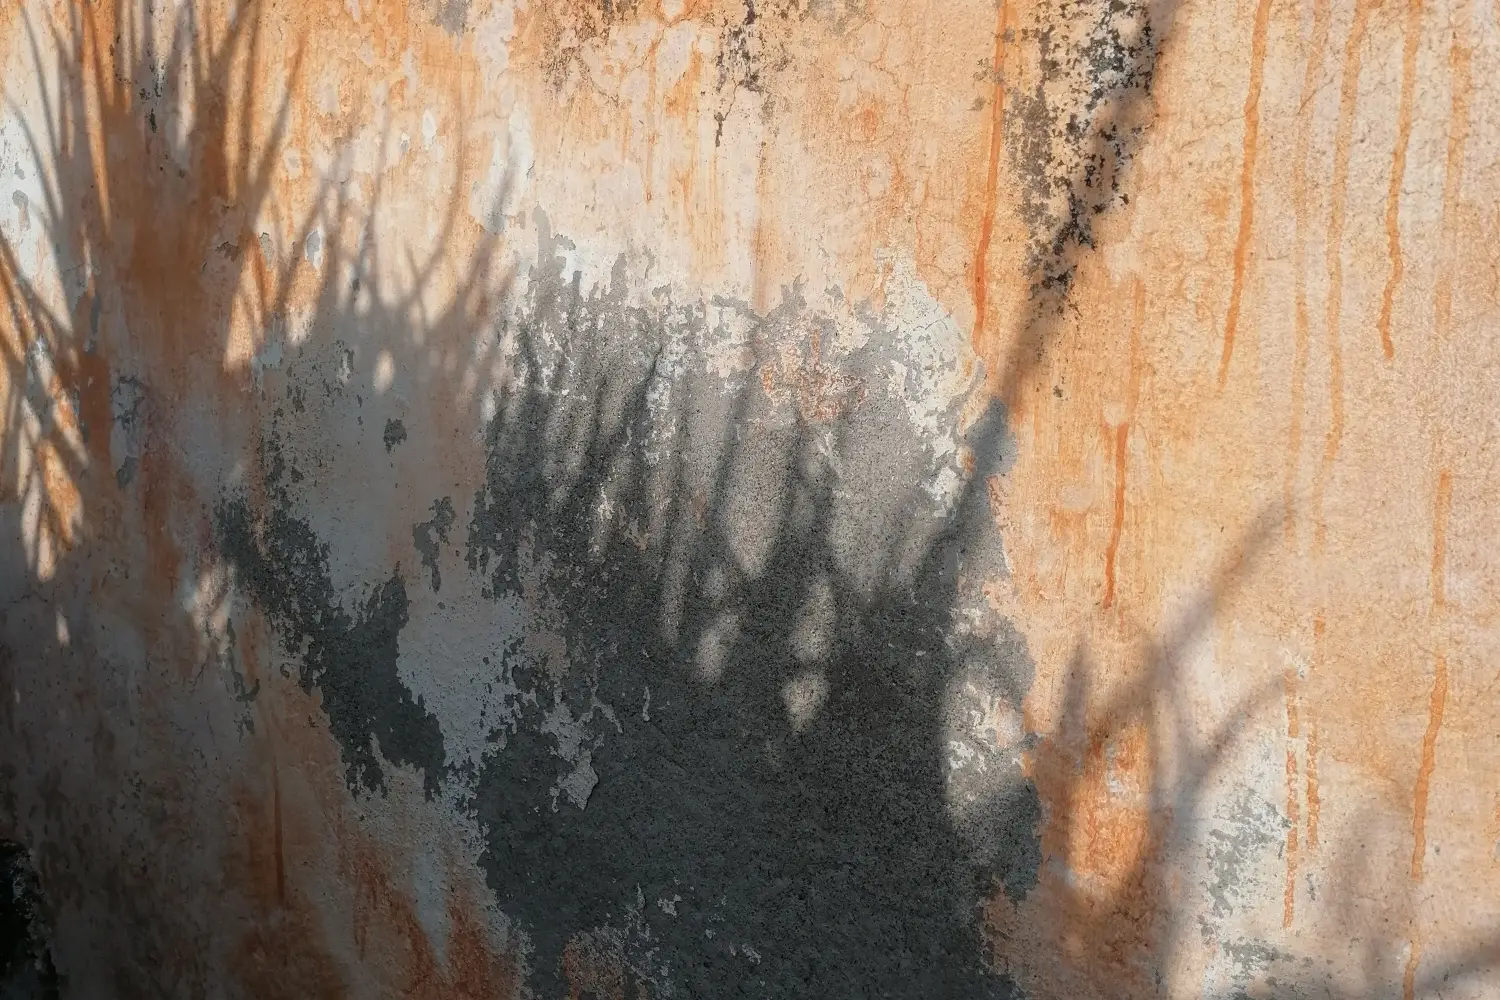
x,y
759,623
430,534
350,656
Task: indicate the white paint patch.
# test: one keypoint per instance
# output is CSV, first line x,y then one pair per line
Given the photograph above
x,y
576,746
313,251
984,737
493,32
935,372
429,129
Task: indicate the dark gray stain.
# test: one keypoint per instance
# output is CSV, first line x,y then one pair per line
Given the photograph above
x,y
571,24
127,403
428,535
451,15
1243,829
1071,137
395,433
282,565
26,969
725,850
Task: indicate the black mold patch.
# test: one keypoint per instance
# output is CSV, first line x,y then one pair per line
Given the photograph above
x,y
26,970
428,535
395,433
710,841
351,658
1072,136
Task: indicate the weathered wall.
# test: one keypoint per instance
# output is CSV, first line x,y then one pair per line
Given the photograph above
x,y
695,498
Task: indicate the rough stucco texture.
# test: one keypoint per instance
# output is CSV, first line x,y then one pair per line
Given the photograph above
x,y
703,498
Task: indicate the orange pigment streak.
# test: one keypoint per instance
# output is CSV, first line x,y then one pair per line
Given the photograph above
x,y
991,184
1299,261
1339,192
1398,172
1122,439
1436,703
1293,731
1247,181
1458,136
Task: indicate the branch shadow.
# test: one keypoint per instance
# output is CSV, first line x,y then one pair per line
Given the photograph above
x,y
752,726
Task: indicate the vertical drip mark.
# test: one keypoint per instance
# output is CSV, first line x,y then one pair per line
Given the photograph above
x,y
1122,440
1453,168
991,183
1312,783
1314,794
1294,819
1338,196
1409,980
1122,434
1436,702
1413,37
655,122
1299,262
1247,181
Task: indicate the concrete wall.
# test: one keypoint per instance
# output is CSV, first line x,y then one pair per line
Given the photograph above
x,y
708,498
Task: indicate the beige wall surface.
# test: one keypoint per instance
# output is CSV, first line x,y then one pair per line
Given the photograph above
x,y
624,498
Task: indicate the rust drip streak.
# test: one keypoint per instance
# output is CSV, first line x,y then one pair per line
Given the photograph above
x,y
1314,795
1339,193
1409,980
1458,136
1293,812
1313,802
1301,323
1122,435
1122,440
1435,705
991,184
1437,700
1442,506
1247,181
1413,37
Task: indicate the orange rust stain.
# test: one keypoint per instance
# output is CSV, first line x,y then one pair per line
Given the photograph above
x,y
1122,440
1437,700
1122,434
1413,37
991,184
1459,56
1338,197
596,969
1409,977
1313,801
1293,812
1314,794
1299,260
1442,506
1247,181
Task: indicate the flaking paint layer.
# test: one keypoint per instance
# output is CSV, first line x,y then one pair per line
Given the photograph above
x,y
671,499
